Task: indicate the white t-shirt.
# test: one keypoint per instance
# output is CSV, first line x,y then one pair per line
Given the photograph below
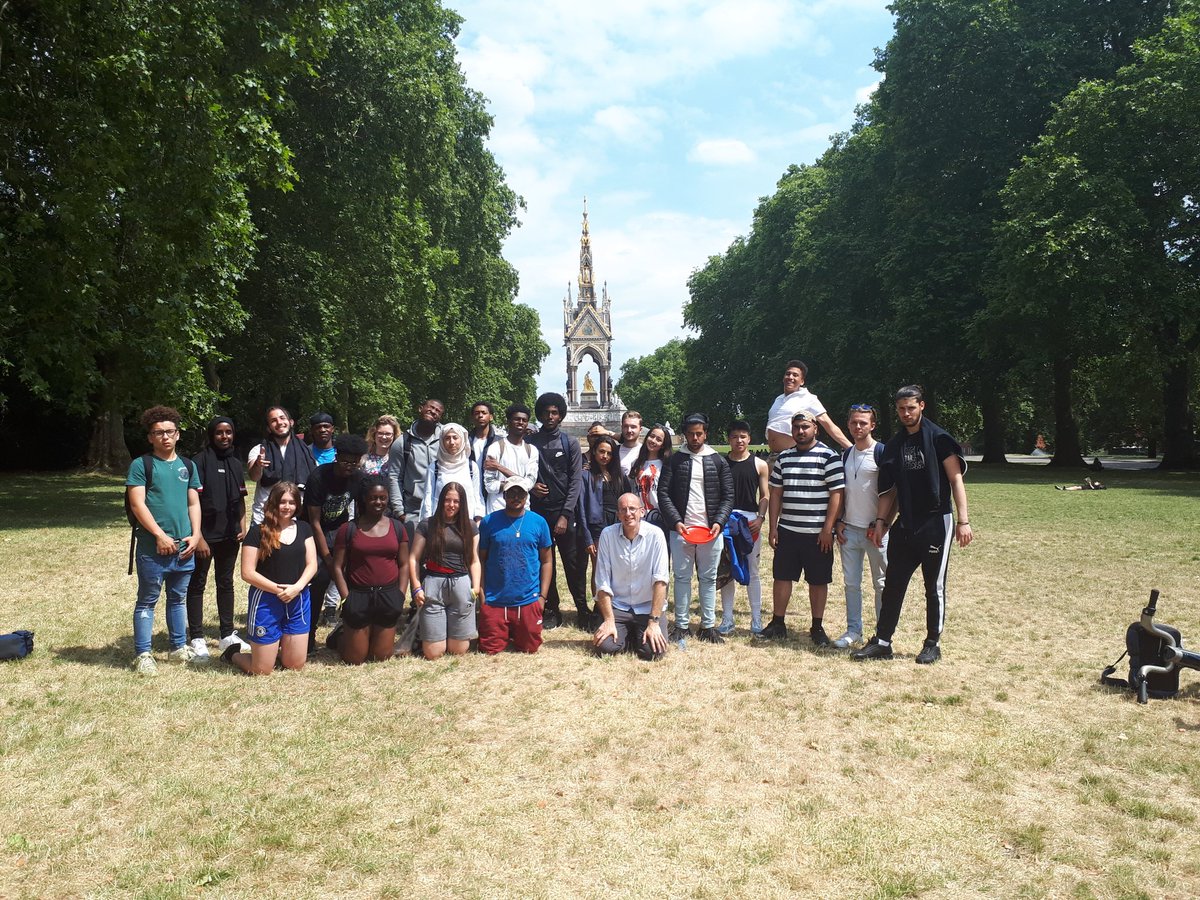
x,y
627,455
648,482
521,459
696,512
779,419
862,479
262,493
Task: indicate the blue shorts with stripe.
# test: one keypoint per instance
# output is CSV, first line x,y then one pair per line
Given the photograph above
x,y
268,618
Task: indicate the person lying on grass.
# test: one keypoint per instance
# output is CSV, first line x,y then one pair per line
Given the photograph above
x,y
279,559
370,569
1088,485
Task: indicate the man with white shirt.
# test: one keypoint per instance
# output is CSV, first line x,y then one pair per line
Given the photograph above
x,y
631,432
483,435
280,457
509,456
856,529
796,398
631,584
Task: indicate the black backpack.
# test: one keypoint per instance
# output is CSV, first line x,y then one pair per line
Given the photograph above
x,y
1144,648
147,460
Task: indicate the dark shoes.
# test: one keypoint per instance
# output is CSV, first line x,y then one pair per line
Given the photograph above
x,y
551,618
583,619
929,654
819,638
709,636
775,630
872,649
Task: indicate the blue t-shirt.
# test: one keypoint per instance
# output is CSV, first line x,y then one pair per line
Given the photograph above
x,y
328,455
512,573
167,498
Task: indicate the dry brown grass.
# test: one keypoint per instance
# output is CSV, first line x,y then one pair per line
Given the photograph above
x,y
1004,770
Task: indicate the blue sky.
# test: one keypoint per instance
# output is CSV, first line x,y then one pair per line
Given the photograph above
x,y
673,117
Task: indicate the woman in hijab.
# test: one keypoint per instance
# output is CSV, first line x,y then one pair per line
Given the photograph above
x,y
222,518
453,464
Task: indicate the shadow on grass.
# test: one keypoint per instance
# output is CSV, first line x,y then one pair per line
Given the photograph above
x,y
111,656
61,501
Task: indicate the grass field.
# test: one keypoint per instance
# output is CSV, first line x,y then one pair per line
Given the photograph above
x,y
1005,770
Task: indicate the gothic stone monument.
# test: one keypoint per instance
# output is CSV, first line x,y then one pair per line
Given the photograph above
x,y
587,333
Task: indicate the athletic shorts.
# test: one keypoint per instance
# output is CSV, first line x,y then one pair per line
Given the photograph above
x,y
268,618
448,612
378,607
799,554
521,625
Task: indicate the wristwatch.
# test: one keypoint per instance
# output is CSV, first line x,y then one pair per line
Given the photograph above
x,y
652,618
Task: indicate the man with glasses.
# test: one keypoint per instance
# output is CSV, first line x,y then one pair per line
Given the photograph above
x,y
855,530
797,398
163,494
631,584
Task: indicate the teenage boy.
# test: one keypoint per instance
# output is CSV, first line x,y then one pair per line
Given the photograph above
x,y
631,584
329,504
277,458
631,432
856,529
511,455
320,435
921,469
517,556
797,398
750,498
806,489
409,461
163,493
483,432
554,497
695,497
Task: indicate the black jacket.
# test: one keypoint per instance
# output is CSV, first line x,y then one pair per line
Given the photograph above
x,y
676,478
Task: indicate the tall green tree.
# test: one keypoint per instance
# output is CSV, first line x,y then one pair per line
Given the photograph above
x,y
653,384
131,132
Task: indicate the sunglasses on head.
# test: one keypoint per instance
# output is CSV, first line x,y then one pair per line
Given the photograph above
x,y
862,407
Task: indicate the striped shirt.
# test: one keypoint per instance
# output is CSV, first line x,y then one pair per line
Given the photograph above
x,y
807,478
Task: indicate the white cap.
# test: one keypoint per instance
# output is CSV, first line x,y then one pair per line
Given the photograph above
x,y
516,481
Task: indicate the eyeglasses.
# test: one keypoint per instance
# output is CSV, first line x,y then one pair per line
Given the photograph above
x,y
861,407
164,432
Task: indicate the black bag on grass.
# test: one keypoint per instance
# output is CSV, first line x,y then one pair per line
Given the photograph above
x,y
17,645
1144,648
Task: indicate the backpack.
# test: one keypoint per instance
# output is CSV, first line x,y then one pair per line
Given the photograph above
x,y
878,453
16,645
148,468
1144,648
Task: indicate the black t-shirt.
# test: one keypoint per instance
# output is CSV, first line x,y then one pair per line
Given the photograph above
x,y
912,468
453,549
333,494
285,565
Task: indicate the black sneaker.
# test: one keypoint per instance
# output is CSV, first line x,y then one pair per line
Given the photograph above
x,y
929,654
551,618
331,639
872,649
679,635
819,637
583,619
709,636
229,651
775,630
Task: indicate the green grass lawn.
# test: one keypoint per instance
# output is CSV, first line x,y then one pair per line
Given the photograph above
x,y
1005,770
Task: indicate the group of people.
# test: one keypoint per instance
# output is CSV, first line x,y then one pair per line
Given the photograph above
x,y
471,525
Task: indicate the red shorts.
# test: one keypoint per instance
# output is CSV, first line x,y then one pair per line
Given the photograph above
x,y
520,624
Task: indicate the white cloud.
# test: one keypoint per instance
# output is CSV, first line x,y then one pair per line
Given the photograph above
x,y
863,94
722,152
631,125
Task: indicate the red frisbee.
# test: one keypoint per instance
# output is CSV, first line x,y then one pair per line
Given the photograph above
x,y
697,534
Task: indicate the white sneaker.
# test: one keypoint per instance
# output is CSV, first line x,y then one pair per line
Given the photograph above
x,y
199,647
184,654
847,640
230,640
143,664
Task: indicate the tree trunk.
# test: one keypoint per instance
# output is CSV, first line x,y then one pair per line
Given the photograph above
x,y
106,448
992,409
1179,427
1067,452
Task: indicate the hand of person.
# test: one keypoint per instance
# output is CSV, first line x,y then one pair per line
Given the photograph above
x,y
755,526
240,536
607,629
713,530
203,551
964,534
773,538
262,457
880,529
189,546
492,465
560,527
540,489
288,592
419,596
840,531
679,529
825,541
165,545
654,637
591,550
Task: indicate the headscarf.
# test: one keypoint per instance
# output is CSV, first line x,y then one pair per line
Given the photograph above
x,y
453,465
222,485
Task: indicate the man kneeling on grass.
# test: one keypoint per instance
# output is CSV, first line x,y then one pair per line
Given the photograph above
x,y
631,584
514,550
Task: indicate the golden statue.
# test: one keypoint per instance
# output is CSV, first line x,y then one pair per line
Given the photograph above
x,y
588,386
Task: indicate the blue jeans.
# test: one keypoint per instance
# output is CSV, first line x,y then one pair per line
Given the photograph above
x,y
153,571
704,558
857,546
